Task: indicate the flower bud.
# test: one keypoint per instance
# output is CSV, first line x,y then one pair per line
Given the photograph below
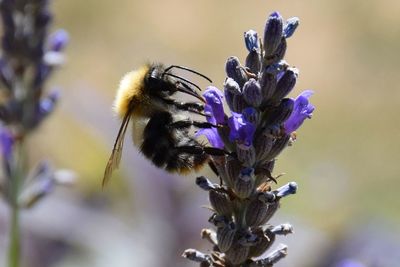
x,y
282,229
204,183
256,212
251,40
263,145
277,147
279,114
248,239
285,84
195,255
273,33
237,254
252,93
244,184
235,71
233,168
58,40
246,154
238,103
250,114
219,220
267,238
210,235
271,258
253,62
268,84
220,202
225,236
290,26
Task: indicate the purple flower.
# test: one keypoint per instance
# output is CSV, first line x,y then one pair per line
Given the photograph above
x,y
349,263
301,111
211,133
58,40
215,105
241,130
6,143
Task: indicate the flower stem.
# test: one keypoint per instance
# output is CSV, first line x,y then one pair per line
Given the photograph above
x,y
17,172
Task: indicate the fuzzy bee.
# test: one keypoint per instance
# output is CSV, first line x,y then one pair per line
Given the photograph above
x,y
146,96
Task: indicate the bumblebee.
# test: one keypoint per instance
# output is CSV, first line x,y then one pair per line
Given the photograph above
x,y
147,96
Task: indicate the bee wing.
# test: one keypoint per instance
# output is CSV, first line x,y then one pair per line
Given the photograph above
x,y
115,158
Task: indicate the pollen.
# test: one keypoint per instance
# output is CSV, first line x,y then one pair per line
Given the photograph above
x,y
130,87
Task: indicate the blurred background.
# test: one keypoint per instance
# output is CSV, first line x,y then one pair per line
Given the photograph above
x,y
345,160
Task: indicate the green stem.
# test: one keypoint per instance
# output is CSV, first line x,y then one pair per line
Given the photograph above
x,y
14,248
14,252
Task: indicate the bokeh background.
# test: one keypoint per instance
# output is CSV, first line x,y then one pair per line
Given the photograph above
x,y
345,160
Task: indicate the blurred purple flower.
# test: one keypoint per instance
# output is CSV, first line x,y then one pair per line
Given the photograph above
x,y
6,143
301,111
349,263
214,106
58,40
241,130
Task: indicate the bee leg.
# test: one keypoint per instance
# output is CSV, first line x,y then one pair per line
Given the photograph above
x,y
183,124
194,107
214,151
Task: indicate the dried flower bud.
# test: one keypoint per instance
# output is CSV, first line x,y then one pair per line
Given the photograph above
x,y
204,183
287,189
235,71
237,254
209,235
272,258
195,255
273,33
252,93
282,229
220,202
225,236
290,26
246,154
285,84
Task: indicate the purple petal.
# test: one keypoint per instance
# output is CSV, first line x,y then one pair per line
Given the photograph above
x,y
212,136
302,110
241,130
6,143
214,100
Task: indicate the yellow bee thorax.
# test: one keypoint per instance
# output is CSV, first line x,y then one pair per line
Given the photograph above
x,y
131,93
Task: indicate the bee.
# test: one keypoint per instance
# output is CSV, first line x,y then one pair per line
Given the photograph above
x,y
146,96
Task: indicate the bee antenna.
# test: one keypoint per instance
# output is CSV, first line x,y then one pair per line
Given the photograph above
x,y
183,79
187,69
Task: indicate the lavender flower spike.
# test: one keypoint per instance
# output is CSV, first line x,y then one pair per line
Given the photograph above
x,y
301,111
